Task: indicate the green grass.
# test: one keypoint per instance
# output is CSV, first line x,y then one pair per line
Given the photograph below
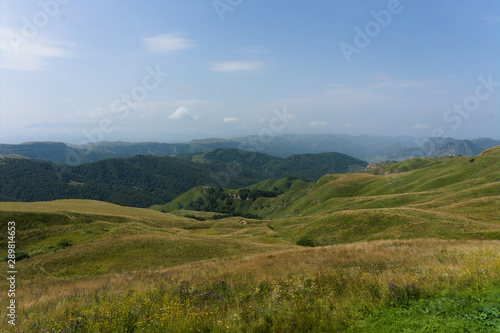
x,y
415,250
441,198
284,185
287,184
121,239
447,198
375,287
450,310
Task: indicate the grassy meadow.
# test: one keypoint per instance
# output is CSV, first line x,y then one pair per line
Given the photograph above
x,y
407,247
424,285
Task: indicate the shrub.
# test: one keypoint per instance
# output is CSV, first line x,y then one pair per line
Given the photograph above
x,y
199,218
20,255
305,241
63,243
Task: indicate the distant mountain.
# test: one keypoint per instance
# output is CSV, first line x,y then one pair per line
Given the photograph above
x,y
486,143
92,152
52,151
364,147
144,180
437,146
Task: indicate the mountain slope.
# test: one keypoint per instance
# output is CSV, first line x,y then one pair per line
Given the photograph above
x,y
237,201
457,198
447,197
60,237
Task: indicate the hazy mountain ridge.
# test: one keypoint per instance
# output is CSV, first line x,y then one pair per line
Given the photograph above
x,y
92,152
364,147
437,146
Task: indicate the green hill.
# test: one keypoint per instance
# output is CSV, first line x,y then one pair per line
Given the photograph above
x,y
137,181
307,166
59,236
90,266
452,198
447,197
238,202
146,180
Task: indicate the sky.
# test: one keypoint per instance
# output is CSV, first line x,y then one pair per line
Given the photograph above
x,y
177,70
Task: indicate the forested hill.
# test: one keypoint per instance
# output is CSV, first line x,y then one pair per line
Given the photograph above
x,y
307,166
143,181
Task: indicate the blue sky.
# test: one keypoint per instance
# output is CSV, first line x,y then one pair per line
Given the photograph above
x,y
170,71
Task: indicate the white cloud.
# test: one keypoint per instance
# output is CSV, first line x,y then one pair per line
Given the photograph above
x,y
318,123
20,53
385,81
234,66
348,125
421,126
179,113
187,103
182,112
166,43
230,119
89,114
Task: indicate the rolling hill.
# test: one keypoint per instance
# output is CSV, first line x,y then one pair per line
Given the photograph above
x,y
447,197
59,235
408,244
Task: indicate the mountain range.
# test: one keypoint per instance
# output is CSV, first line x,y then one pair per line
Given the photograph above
x,y
364,147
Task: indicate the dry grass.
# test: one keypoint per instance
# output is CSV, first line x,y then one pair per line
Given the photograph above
x,y
353,277
395,260
86,207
